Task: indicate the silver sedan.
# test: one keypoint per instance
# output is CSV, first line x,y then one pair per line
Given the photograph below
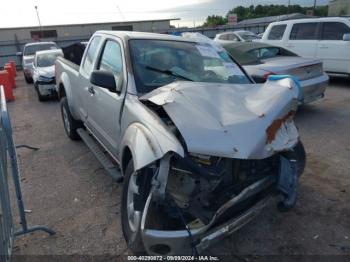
x,y
262,60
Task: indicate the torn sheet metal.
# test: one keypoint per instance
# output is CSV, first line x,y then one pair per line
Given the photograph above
x,y
230,120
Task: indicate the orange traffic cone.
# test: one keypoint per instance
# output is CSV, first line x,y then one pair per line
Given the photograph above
x,y
9,69
6,83
13,64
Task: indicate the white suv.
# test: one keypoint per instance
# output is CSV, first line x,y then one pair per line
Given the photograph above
x,y
327,39
27,57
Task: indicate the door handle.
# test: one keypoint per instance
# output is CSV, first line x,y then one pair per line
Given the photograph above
x,y
290,45
323,46
91,90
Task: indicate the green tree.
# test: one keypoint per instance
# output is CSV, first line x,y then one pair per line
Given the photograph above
x,y
215,20
273,10
262,11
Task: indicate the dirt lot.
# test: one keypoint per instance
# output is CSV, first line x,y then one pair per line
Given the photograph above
x,y
66,188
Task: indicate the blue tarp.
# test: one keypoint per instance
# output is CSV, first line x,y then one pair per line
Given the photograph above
x,y
295,79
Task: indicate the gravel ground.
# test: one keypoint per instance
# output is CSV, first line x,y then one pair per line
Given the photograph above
x,y
66,188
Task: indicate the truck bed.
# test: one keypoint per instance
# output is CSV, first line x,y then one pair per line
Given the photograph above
x,y
74,53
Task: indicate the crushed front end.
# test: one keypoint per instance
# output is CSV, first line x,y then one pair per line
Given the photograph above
x,y
207,198
241,148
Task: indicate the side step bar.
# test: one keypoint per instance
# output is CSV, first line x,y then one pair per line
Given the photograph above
x,y
112,169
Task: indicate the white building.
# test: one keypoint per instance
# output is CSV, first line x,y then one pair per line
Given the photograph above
x,y
12,40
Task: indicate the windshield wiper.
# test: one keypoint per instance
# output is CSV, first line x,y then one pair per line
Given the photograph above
x,y
168,72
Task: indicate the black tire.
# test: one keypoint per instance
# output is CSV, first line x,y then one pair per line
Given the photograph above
x,y
301,157
41,98
28,80
70,124
132,237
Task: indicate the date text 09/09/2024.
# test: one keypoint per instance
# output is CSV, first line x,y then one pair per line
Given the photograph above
x,y
173,258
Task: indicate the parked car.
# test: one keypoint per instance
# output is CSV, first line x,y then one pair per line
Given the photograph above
x,y
201,148
236,36
262,60
327,39
27,57
44,73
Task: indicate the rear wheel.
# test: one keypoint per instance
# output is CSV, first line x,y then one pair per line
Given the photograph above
x,y
70,124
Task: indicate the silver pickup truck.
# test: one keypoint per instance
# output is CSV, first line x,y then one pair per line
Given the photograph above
x,y
200,147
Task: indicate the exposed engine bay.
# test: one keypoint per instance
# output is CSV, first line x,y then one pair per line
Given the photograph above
x,y
197,193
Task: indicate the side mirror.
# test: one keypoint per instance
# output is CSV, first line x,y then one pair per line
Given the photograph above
x,y
346,37
19,54
106,80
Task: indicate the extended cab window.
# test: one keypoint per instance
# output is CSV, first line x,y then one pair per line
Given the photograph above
x,y
111,59
277,32
87,66
304,31
334,31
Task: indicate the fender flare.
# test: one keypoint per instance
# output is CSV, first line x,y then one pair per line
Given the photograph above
x,y
143,145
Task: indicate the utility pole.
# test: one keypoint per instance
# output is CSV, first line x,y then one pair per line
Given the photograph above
x,y
315,3
37,14
288,6
121,14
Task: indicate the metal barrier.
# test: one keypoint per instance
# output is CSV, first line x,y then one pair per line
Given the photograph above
x,y
8,149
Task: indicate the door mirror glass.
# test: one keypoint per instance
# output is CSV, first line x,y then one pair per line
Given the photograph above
x,y
19,54
106,80
346,37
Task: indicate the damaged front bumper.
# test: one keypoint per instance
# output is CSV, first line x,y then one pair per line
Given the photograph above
x,y
198,238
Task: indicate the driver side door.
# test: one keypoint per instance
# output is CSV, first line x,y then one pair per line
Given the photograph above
x,y
105,107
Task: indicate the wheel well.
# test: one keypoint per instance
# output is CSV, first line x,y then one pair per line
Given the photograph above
x,y
127,156
61,91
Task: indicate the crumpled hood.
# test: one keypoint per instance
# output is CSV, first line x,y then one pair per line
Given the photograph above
x,y
237,121
48,71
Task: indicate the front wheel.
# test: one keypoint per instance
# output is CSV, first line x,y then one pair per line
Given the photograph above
x,y
130,217
301,157
70,124
41,98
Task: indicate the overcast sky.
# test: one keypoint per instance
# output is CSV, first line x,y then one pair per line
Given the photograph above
x,y
22,13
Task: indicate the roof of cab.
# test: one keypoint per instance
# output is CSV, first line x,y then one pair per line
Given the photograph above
x,y
40,43
245,46
236,31
142,35
310,20
51,51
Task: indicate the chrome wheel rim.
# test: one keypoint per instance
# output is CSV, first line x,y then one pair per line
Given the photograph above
x,y
66,120
134,216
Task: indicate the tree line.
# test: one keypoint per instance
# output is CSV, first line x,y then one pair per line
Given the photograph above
x,y
262,11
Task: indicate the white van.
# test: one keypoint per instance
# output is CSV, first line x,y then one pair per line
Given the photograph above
x,y
326,38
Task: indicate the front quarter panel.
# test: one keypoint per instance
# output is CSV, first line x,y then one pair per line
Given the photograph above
x,y
143,132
